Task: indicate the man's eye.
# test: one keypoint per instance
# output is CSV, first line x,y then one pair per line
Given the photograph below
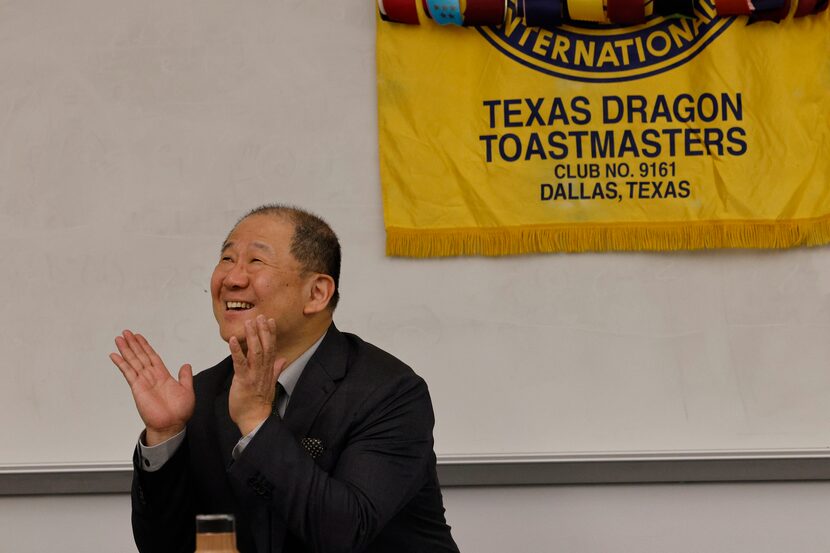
x,y
255,260
226,258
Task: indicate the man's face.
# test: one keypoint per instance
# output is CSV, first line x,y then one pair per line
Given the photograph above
x,y
257,275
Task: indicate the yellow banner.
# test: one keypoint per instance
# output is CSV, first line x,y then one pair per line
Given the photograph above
x,y
674,134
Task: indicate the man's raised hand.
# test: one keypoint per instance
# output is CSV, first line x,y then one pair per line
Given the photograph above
x,y
164,404
256,369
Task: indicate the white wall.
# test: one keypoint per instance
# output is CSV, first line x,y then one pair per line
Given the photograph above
x,y
695,518
132,135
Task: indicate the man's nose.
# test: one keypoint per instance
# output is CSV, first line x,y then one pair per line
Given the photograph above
x,y
237,277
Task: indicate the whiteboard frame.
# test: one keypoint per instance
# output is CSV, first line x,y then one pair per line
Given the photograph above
x,y
491,470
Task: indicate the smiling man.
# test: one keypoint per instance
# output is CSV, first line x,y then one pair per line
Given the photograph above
x,y
313,438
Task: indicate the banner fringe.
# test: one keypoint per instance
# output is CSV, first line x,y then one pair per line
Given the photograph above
x,y
583,237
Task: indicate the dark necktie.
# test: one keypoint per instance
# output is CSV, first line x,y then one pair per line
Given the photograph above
x,y
278,398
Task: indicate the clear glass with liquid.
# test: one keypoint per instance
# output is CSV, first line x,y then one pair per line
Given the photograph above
x,y
215,534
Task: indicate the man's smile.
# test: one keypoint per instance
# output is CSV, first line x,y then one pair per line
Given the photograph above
x,y
238,305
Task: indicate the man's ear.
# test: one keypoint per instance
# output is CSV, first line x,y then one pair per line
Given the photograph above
x,y
320,292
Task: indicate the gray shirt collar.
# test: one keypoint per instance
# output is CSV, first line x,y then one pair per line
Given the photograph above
x,y
291,374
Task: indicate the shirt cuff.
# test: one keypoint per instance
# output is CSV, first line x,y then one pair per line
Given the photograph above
x,y
244,440
152,458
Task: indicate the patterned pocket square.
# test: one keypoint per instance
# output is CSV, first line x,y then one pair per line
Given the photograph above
x,y
313,446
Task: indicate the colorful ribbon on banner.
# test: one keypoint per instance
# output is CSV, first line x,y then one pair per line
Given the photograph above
x,y
445,12
399,11
552,13
587,10
626,12
727,8
769,10
543,13
470,13
810,7
481,13
669,8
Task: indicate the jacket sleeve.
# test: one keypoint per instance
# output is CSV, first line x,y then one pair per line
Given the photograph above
x,y
384,462
162,514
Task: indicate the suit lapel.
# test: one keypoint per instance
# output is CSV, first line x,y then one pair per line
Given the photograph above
x,y
312,391
318,381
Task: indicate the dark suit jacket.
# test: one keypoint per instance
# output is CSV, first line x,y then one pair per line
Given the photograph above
x,y
373,488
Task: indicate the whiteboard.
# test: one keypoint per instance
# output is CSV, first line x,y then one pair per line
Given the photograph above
x,y
135,134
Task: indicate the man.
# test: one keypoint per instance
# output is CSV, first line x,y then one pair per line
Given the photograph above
x,y
312,438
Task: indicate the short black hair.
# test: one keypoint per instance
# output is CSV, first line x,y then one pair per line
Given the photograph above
x,y
314,244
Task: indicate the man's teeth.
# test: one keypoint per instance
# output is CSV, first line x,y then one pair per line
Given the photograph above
x,y
239,305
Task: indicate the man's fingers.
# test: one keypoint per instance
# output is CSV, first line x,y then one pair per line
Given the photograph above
x,y
266,338
253,343
279,366
238,357
129,374
127,353
149,351
155,364
186,376
136,347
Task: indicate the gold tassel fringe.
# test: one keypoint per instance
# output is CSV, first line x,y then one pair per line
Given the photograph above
x,y
606,237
